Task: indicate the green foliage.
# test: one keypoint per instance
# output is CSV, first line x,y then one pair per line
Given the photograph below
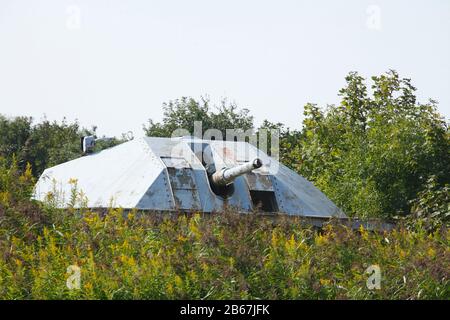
x,y
44,144
13,135
221,256
373,154
15,186
182,113
51,143
287,138
431,208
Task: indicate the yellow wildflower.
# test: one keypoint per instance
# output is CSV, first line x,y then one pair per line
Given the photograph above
x,y
325,282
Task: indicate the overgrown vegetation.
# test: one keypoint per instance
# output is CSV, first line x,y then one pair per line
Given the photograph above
x,y
373,155
150,256
378,154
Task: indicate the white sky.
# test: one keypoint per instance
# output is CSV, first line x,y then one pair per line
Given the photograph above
x,y
117,63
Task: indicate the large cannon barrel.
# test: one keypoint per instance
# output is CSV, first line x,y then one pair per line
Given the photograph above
x,y
225,176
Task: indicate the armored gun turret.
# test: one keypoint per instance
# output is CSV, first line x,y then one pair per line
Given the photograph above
x,y
185,174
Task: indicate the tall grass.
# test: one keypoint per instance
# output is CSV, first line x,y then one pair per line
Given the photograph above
x,y
220,256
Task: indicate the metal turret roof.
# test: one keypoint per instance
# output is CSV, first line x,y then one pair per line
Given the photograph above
x,y
169,174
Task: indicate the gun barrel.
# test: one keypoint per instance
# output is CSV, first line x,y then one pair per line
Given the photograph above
x,y
225,176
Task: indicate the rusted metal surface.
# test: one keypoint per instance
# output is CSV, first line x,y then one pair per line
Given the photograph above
x,y
165,174
259,182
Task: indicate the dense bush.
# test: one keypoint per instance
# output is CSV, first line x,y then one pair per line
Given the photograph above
x,y
155,256
374,152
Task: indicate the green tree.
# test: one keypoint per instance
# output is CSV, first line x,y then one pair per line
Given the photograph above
x,y
51,143
288,138
432,206
13,135
182,113
372,154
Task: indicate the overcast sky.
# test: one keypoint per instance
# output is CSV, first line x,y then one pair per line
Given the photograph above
x,y
113,63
